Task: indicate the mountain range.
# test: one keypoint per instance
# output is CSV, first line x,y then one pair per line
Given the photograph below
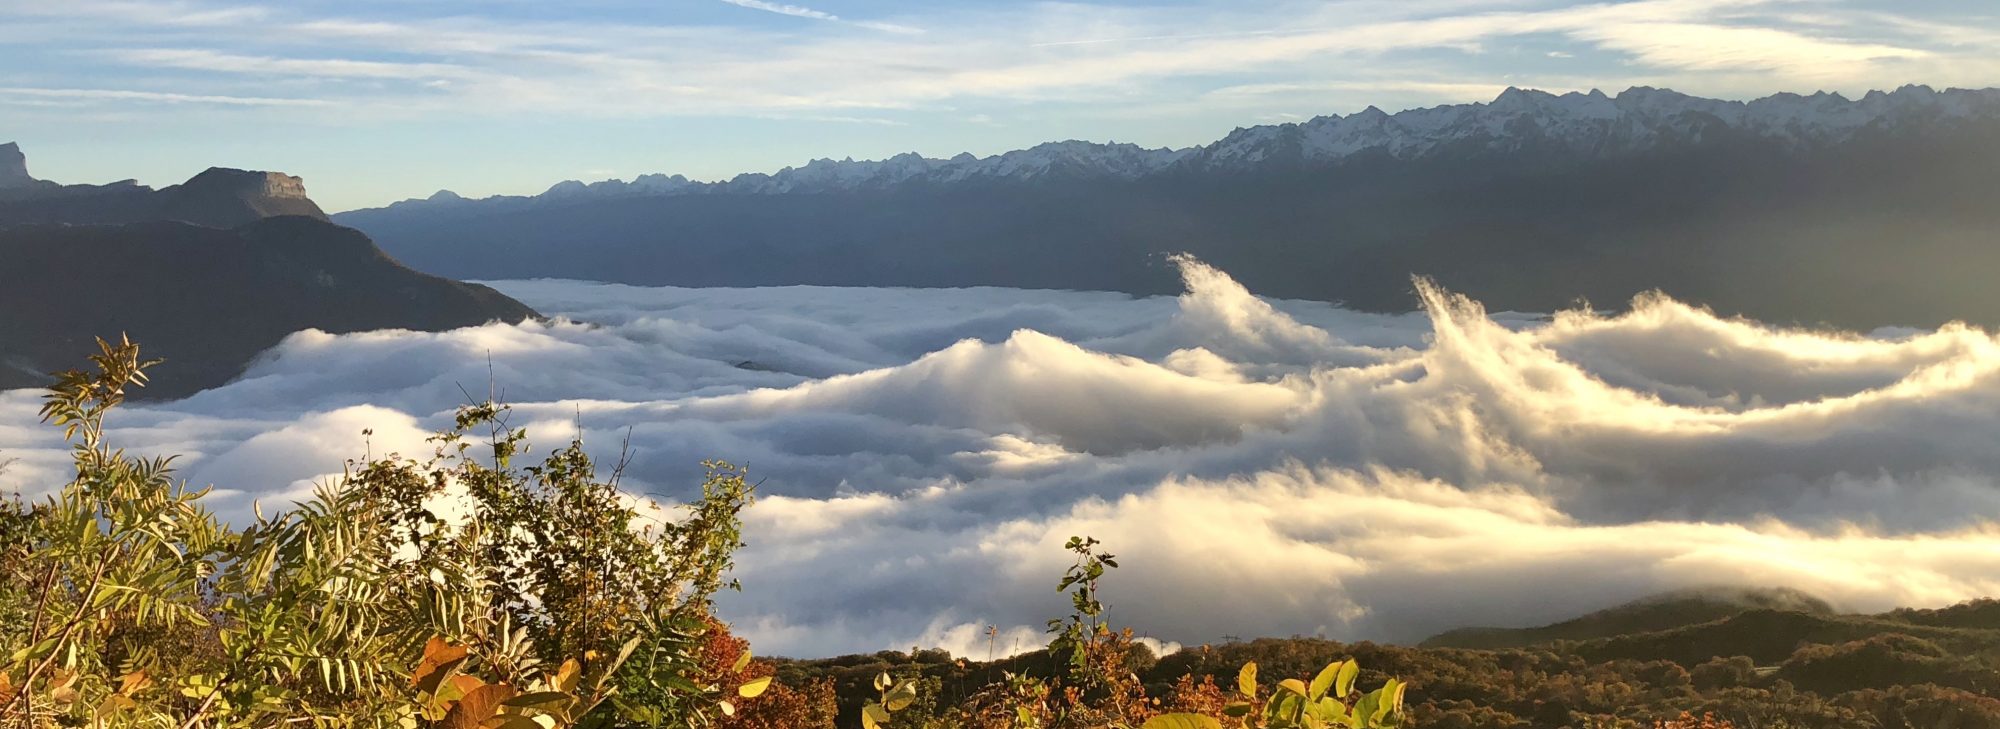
x,y
206,274
1782,208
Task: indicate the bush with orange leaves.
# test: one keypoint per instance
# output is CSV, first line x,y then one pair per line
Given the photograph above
x,y
780,707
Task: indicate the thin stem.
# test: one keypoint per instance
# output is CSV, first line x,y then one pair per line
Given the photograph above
x,y
69,626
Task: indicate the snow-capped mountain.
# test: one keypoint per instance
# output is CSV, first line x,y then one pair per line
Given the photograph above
x,y
1595,124
1577,124
1816,209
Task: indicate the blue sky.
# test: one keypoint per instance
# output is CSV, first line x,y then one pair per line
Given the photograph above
x,y
378,100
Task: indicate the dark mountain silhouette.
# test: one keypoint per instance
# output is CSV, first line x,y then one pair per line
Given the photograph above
x,y
1882,212
206,274
1666,611
14,168
217,198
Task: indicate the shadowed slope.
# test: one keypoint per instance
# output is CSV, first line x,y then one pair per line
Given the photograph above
x,y
208,299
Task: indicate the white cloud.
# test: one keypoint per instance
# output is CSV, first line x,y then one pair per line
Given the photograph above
x,y
798,11
205,60
1072,53
154,97
781,9
925,452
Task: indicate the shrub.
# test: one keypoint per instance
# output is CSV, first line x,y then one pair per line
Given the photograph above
x,y
542,606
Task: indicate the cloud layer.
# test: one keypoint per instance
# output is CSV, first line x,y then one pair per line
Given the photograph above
x,y
1262,467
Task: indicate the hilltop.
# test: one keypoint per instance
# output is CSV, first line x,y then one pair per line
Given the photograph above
x,y
208,274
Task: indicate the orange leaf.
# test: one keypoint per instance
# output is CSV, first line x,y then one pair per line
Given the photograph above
x,y
437,653
478,705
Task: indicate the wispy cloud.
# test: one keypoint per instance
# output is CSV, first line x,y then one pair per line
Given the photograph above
x,y
799,11
207,60
152,97
1703,47
1082,56
781,9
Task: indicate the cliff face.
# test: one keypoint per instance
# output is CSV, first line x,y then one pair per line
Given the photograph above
x,y
232,197
218,198
14,167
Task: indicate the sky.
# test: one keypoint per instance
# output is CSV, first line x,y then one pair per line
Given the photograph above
x,y
373,101
1261,468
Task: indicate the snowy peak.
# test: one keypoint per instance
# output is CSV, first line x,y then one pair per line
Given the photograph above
x,y
1071,157
1596,124
1573,125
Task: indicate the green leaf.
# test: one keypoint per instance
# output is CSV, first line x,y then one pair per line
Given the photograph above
x,y
1343,684
1323,682
1328,710
742,662
1366,709
1391,701
681,683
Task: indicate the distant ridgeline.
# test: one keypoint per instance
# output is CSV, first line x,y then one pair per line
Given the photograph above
x,y
1816,209
1754,657
206,274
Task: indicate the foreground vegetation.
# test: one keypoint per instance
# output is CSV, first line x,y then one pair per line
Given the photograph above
x,y
463,590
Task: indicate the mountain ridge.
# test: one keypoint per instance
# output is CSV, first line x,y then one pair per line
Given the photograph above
x,y
1888,223
1596,124
218,197
1659,612
207,274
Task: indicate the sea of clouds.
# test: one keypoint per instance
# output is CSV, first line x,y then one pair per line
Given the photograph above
x,y
1260,467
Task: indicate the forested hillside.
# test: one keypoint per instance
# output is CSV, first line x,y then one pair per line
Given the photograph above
x,y
1756,668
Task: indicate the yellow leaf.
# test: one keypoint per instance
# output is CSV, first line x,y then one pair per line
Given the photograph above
x,y
873,716
567,676
1293,685
753,688
1181,721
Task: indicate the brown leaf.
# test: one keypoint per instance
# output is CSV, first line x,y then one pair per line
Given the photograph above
x,y
437,653
478,705
464,685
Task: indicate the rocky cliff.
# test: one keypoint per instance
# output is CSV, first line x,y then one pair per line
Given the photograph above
x,y
218,198
207,274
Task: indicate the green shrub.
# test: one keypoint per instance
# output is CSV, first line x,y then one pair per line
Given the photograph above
x,y
541,606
